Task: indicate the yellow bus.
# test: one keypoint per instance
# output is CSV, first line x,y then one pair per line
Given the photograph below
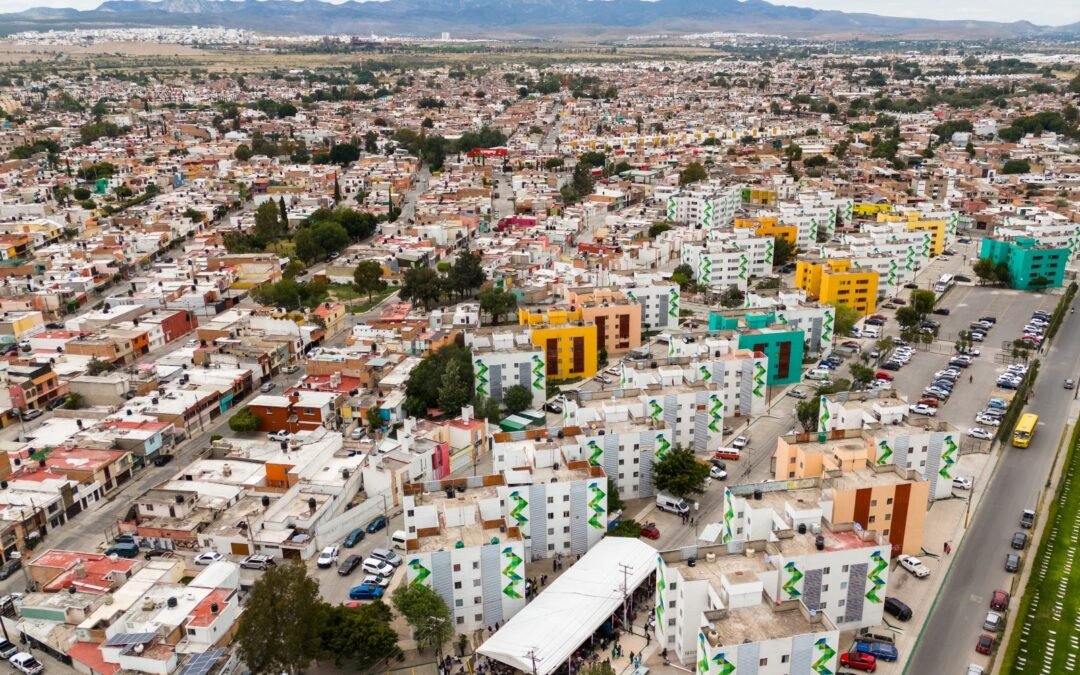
x,y
1024,430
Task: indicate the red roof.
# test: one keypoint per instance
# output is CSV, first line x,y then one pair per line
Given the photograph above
x,y
89,654
201,615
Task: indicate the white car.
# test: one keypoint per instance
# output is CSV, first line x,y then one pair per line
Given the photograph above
x,y
328,557
26,663
914,565
740,442
717,473
279,435
962,483
987,421
980,433
923,409
377,567
191,343
207,557
372,580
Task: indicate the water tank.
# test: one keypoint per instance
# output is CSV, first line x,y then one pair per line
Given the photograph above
x,y
757,495
213,608
802,528
819,542
171,602
265,501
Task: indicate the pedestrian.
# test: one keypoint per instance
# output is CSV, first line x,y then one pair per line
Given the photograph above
x,y
945,547
631,657
554,564
648,638
971,378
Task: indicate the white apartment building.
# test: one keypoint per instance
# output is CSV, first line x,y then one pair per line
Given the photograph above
x,y
1047,231
809,220
503,360
930,447
706,205
770,566
659,304
720,266
469,539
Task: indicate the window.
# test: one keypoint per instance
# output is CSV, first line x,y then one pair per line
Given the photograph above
x,y
551,531
843,585
459,603
873,519
841,603
888,516
457,568
671,604
827,570
823,605
888,501
551,516
477,600
873,503
566,498
785,658
476,565
671,622
475,583
566,530
825,588
673,586
763,662
457,584
460,620
479,617
551,500
551,547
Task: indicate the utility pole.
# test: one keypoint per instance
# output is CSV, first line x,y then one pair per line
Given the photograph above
x,y
626,569
532,657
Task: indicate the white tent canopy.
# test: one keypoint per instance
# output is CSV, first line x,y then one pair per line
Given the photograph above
x,y
543,635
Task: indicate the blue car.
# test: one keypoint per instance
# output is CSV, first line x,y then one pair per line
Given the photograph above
x,y
878,650
365,592
376,525
354,538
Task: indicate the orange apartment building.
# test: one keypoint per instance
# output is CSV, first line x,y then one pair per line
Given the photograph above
x,y
297,410
107,348
32,387
617,319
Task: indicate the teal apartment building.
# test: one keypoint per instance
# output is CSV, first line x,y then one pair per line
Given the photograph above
x,y
1027,259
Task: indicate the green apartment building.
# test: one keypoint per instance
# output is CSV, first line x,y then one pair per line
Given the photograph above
x,y
762,332
1027,259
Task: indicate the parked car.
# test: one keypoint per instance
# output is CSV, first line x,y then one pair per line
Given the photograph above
x,y
717,473
987,421
289,370
923,410
372,580
868,636
882,375
157,553
650,531
267,386
31,415
1069,384
1012,562
1027,519
992,622
552,408
162,458
258,562
349,564
741,442
281,435
354,538
980,433
897,609
357,433
960,278
985,644
365,592
914,565
942,311
207,557
962,482
800,394
328,557
378,523
858,661
26,663
7,649
377,567
999,600
879,650
1019,541
9,568
387,556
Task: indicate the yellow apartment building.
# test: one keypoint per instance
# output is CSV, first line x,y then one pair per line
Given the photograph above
x,y
838,281
569,343
914,222
770,226
617,319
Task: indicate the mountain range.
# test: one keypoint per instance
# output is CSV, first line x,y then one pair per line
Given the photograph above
x,y
515,18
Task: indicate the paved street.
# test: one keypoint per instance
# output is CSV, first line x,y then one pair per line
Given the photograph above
x,y
948,640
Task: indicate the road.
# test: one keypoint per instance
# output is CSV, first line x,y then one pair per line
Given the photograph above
x,y
947,643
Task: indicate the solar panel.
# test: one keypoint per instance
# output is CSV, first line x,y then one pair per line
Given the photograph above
x,y
129,639
200,664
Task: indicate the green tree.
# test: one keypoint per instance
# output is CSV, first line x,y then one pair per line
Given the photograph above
x,y
816,161
783,251
426,613
656,229
308,246
582,181
497,302
361,634
922,302
844,319
268,223
1039,282
907,316
96,367
374,418
1014,166
984,270
680,473
284,211
807,413
467,274
422,284
693,173
74,401
371,143
280,627
487,409
456,389
244,421
861,375
367,277
601,668
242,153
344,153
614,500
517,398
732,297
683,275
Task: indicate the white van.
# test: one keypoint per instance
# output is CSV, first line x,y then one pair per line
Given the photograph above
x,y
398,539
872,332
818,374
668,502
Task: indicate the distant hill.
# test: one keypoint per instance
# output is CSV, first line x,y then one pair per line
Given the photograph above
x,y
517,18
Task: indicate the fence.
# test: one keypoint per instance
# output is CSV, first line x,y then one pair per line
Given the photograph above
x,y
336,529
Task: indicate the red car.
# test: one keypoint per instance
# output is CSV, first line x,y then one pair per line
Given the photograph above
x,y
649,531
858,661
883,375
932,402
999,601
985,644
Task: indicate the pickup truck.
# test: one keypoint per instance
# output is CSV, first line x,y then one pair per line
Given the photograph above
x,y
279,435
914,565
741,442
878,650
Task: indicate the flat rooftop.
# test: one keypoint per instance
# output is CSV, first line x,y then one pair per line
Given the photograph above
x,y
760,623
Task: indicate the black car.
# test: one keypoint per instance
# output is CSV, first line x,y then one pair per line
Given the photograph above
x,y
552,408
911,285
348,565
56,403
55,326
891,365
719,464
943,311
961,277
1019,540
157,553
988,319
1012,562
9,568
897,608
161,459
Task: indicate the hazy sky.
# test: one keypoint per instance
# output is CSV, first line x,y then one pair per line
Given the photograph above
x,y
1051,12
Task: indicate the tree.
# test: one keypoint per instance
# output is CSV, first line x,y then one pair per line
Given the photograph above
x,y
284,211
1039,282
614,500
1014,166
601,668
422,284
844,319
582,181
374,418
286,110
816,161
517,398
74,401
497,302
280,627
680,473
371,143
337,190
268,227
807,413
656,229
923,302
861,375
683,275
467,274
783,251
487,409
242,153
426,612
732,297
984,270
367,277
906,316
693,173
361,634
244,421
456,388
96,367
308,247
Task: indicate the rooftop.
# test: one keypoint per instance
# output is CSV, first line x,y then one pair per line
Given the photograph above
x,y
760,623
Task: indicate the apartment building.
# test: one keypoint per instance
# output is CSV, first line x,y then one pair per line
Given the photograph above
x,y
706,205
502,360
1032,265
812,223
569,345
814,576
781,335
721,265
616,317
659,304
1049,229
838,281
469,539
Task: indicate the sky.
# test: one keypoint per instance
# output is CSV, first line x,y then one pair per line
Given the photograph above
x,y
1047,12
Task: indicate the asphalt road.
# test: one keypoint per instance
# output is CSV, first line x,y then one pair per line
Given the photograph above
x,y
947,643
